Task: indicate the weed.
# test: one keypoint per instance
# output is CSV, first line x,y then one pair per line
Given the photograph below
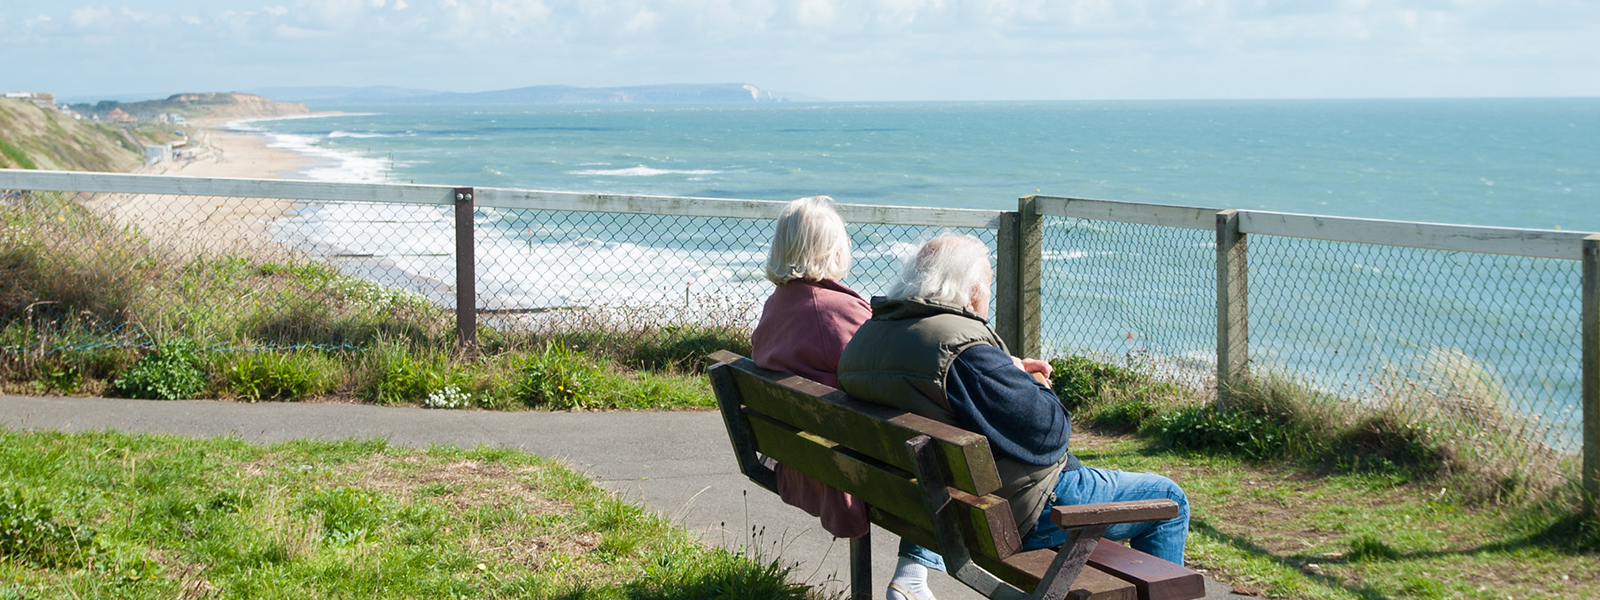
x,y
30,532
558,378
395,376
280,376
172,371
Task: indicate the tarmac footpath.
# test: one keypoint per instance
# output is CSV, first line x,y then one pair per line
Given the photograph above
x,y
678,464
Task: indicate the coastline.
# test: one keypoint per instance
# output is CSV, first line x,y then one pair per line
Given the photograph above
x,y
208,225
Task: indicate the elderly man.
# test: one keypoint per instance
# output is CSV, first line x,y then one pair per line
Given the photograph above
x,y
929,350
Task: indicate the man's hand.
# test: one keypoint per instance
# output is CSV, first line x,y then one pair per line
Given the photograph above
x,y
1039,369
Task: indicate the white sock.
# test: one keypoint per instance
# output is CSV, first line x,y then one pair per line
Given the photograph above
x,y
912,576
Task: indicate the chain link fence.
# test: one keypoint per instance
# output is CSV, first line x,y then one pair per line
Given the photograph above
x,y
90,270
1134,295
1483,345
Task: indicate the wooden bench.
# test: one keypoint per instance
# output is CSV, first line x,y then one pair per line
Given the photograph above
x,y
932,484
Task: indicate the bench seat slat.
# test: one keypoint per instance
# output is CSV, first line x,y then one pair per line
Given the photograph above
x,y
877,431
1156,579
984,520
1023,569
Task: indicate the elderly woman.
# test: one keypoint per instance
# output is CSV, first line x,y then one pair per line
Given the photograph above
x,y
803,328
810,315
929,350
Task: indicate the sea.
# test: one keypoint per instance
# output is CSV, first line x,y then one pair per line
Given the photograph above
x,y
1526,163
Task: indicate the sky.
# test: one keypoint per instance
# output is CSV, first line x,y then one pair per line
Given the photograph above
x,y
855,50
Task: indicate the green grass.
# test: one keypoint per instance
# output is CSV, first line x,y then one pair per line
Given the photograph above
x,y
110,515
16,155
88,307
1290,531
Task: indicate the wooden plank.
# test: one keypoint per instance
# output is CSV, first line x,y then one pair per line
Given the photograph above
x,y
466,274
983,520
1536,243
174,185
1111,513
1030,282
1024,570
1008,282
876,431
1163,215
1155,579
1233,313
728,208
1590,357
744,446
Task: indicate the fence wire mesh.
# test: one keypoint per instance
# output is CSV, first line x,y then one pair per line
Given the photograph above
x,y
86,270
1139,296
1485,347
116,270
555,270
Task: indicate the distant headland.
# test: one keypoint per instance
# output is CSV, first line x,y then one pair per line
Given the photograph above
x,y
676,93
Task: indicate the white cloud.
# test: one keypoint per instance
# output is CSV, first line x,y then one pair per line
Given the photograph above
x,y
276,11
89,16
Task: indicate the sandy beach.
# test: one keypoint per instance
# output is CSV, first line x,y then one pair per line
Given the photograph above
x,y
205,225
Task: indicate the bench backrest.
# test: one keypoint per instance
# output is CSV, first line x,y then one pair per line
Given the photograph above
x,y
861,449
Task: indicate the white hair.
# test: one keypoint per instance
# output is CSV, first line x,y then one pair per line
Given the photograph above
x,y
948,268
809,243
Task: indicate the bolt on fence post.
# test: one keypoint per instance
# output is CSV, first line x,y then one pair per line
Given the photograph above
x,y
1591,375
466,275
1233,335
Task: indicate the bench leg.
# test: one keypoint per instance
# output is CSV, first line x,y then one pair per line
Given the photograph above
x,y
936,497
861,567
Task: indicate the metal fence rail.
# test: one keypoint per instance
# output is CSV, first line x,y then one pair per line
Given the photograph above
x,y
1496,327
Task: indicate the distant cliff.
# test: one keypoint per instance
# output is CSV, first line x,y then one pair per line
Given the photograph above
x,y
678,93
213,104
40,138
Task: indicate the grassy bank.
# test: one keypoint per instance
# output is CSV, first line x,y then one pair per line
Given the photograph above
x,y
108,515
32,137
91,307
1282,530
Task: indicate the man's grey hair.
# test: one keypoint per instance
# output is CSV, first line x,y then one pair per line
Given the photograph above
x,y
947,269
809,243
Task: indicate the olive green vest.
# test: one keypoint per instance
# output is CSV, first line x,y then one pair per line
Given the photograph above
x,y
900,358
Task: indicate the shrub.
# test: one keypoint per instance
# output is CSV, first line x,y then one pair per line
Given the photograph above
x,y
30,532
171,372
1231,432
279,376
396,376
1078,381
557,378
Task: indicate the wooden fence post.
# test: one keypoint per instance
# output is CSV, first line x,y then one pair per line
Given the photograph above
x,y
466,275
1591,375
1030,257
1016,309
1007,283
1233,335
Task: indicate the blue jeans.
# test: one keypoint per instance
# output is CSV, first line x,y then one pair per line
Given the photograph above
x,y
1089,485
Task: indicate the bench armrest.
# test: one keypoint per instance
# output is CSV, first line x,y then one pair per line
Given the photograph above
x,y
1110,513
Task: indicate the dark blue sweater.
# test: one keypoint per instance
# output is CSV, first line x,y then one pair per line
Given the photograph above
x,y
1020,416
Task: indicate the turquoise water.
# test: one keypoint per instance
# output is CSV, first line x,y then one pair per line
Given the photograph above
x,y
1354,319
1512,162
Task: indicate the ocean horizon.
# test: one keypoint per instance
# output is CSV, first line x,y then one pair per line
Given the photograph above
x,y
1532,163
1323,311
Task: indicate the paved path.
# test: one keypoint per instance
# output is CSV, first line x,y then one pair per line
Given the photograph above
x,y
677,463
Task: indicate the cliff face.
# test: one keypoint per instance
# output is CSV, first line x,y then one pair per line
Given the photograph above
x,y
224,104
37,138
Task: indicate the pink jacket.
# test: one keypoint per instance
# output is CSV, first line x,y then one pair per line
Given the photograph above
x,y
803,329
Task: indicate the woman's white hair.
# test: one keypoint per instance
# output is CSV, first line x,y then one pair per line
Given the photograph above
x,y
947,268
809,243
